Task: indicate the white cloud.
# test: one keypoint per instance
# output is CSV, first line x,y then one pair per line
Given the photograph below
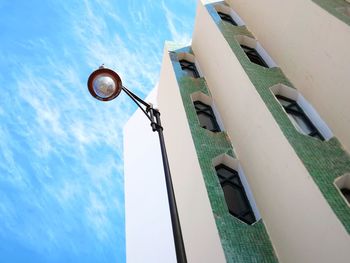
x,y
15,175
178,36
136,66
63,129
96,213
61,148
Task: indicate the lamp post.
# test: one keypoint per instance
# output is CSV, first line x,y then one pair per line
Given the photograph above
x,y
105,84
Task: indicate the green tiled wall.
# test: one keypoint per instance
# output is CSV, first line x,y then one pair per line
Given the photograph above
x,y
336,8
324,160
241,242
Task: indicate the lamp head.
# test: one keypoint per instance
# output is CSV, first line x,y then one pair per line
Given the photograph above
x,y
104,84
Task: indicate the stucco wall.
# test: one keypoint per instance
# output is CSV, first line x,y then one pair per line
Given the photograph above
x,y
300,222
201,239
148,232
312,48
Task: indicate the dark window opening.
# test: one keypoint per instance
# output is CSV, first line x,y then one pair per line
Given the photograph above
x,y
206,116
299,117
227,18
189,67
235,196
346,193
254,56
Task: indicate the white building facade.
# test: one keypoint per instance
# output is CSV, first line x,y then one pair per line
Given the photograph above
x,y
256,118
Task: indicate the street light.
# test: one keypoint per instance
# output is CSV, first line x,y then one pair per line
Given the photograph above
x,y
105,84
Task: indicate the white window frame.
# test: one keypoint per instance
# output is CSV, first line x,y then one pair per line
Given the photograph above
x,y
343,182
235,165
191,58
309,110
253,43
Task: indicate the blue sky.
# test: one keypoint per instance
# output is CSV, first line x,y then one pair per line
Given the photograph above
x,y
61,168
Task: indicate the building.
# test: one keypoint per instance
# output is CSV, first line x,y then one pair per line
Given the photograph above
x,y
257,126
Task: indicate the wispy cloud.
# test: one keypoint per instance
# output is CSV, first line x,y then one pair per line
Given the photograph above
x,y
138,66
178,35
53,138
61,151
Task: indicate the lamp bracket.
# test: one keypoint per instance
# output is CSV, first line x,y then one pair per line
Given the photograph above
x,y
151,113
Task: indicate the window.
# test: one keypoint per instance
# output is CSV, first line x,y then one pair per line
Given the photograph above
x,y
255,52
298,117
346,193
189,67
254,56
227,18
235,196
301,113
343,185
206,116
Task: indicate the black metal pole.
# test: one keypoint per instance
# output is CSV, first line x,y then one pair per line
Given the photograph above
x,y
178,240
153,114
